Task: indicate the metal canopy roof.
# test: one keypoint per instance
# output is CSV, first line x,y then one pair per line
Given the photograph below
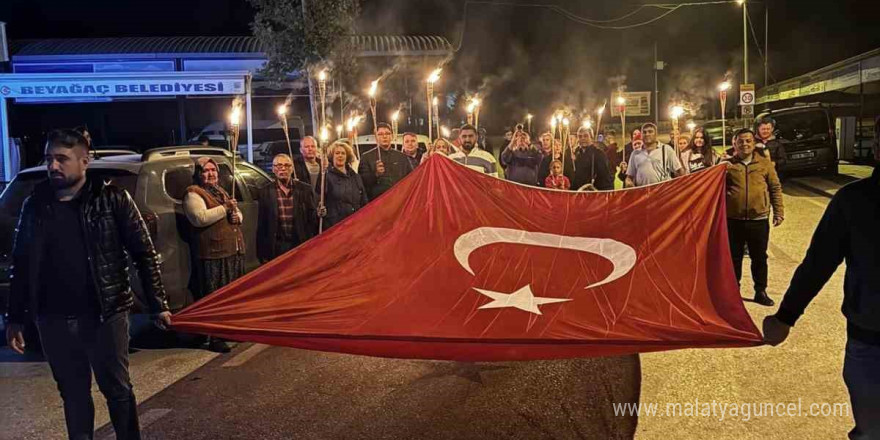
x,y
367,45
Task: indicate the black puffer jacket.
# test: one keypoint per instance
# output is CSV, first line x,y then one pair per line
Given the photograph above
x,y
114,230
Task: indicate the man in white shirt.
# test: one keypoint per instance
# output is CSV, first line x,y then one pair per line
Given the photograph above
x,y
654,163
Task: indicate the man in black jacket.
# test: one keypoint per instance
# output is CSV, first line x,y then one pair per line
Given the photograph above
x,y
70,273
591,165
381,170
849,231
288,213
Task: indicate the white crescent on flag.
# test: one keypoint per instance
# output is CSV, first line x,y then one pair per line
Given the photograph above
x,y
622,256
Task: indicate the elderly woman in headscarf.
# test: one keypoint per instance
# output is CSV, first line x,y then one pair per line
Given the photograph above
x,y
218,241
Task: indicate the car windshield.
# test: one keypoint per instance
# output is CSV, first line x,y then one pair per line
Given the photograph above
x,y
799,126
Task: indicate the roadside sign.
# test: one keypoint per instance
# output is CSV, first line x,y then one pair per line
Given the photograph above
x,y
746,94
748,111
637,103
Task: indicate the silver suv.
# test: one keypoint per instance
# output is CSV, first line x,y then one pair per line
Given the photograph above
x,y
157,181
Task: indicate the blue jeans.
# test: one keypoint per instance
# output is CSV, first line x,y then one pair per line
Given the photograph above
x,y
861,372
77,346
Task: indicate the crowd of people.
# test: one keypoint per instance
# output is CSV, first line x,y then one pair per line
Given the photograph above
x,y
82,231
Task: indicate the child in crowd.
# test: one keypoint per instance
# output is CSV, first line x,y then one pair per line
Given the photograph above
x,y
556,179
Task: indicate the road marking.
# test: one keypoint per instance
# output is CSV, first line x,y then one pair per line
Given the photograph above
x,y
145,419
245,356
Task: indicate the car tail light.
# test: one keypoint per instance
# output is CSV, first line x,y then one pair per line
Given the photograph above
x,y
152,221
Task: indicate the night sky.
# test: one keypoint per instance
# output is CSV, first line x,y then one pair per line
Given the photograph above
x,y
524,59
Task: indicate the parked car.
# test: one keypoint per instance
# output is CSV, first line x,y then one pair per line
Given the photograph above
x,y
807,132
157,181
713,128
265,130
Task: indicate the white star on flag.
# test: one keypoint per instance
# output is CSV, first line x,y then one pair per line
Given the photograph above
x,y
522,299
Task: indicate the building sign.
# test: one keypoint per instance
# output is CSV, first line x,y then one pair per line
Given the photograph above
x,y
81,88
637,104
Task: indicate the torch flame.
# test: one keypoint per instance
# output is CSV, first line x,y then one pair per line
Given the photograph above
x,y
282,110
324,134
725,86
470,107
235,116
323,75
676,111
553,122
565,122
435,75
339,131
395,115
444,131
601,110
621,100
434,101
588,123
529,116
373,86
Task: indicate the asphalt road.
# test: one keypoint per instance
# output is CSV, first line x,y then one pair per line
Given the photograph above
x,y
271,392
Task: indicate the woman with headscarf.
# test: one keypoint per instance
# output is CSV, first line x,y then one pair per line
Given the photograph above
x,y
217,238
344,189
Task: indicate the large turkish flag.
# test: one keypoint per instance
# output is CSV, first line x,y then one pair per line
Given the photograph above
x,y
453,264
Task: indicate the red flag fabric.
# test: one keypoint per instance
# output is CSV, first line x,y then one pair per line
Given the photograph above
x,y
452,264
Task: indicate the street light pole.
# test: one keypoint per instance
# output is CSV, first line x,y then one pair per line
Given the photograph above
x,y
745,42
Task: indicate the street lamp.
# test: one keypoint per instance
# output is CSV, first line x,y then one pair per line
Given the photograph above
x,y
722,89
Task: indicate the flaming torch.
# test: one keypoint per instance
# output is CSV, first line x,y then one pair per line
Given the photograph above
x,y
476,101
339,131
235,124
282,116
470,113
621,108
599,112
394,117
323,137
675,112
372,93
435,75
445,131
353,122
722,89
322,89
529,122
435,105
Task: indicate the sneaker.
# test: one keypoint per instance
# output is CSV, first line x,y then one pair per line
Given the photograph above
x,y
218,346
763,299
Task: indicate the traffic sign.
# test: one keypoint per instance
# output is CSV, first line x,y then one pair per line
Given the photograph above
x,y
748,111
746,94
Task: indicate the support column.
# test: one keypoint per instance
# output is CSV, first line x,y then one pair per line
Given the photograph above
x,y
4,142
250,120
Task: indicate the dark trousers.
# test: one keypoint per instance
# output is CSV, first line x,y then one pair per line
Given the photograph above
x,y
755,234
861,373
77,346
